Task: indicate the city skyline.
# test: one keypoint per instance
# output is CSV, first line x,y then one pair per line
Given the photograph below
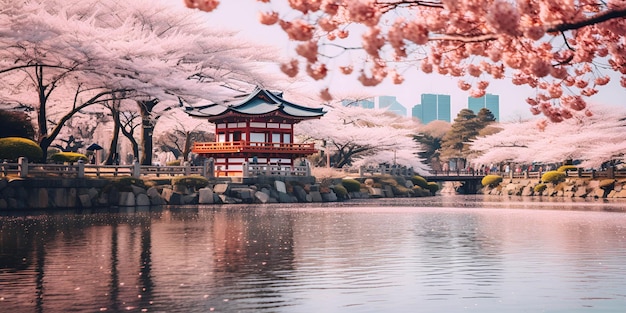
x,y
431,107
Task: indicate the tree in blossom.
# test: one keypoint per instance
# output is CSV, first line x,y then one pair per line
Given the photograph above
x,y
591,140
561,48
357,137
60,57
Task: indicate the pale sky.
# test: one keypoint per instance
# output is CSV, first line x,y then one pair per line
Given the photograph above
x,y
242,15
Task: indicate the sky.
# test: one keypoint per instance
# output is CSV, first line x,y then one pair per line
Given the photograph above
x,y
241,15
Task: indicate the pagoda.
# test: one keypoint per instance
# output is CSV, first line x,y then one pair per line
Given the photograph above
x,y
256,129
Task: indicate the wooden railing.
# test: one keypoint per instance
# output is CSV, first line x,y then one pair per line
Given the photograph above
x,y
246,146
80,170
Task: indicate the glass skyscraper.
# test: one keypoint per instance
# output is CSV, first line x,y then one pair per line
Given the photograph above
x,y
432,107
489,101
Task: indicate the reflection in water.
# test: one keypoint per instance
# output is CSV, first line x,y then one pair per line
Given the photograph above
x,y
444,254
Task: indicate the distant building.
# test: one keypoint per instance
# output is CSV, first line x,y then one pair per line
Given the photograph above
x,y
391,104
364,103
489,101
432,107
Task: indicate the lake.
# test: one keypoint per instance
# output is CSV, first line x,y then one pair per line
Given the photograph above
x,y
438,254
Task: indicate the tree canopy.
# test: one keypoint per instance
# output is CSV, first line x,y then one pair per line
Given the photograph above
x,y
60,57
564,49
590,140
361,137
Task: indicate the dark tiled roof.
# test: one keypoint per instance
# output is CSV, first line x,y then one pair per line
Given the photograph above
x,y
259,102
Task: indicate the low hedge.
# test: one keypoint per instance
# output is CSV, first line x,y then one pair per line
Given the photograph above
x,y
433,187
539,188
68,157
606,183
419,181
341,191
12,148
351,185
553,177
491,180
565,168
193,181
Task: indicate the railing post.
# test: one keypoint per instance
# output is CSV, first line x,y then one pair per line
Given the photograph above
x,y
5,168
245,170
22,166
187,169
81,169
308,168
136,169
210,168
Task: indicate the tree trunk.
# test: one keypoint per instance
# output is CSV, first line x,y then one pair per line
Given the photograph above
x,y
113,155
147,128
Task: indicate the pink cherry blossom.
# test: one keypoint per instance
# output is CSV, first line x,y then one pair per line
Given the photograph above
x,y
325,95
291,68
268,18
308,50
347,70
318,72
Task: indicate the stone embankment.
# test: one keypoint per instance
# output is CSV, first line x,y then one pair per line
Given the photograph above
x,y
82,193
571,187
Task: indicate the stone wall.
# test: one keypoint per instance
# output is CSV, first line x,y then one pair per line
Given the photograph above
x,y
571,187
68,193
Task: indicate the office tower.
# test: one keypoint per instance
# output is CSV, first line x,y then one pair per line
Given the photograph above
x,y
391,104
432,107
489,101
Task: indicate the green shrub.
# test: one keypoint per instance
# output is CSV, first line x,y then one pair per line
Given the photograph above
x,y
194,181
491,180
12,148
433,187
565,168
419,181
553,177
351,185
539,188
420,192
341,191
173,163
400,190
68,157
607,183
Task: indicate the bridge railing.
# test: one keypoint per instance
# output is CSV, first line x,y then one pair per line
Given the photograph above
x,y
580,173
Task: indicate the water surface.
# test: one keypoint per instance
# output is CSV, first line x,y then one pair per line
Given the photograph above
x,y
441,254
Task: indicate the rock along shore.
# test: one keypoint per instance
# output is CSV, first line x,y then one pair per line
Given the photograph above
x,y
84,193
570,187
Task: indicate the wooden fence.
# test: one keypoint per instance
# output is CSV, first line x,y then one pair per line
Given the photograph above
x,y
24,169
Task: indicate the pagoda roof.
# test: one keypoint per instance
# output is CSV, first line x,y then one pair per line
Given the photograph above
x,y
259,102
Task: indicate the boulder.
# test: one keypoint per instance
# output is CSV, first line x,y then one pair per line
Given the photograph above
x,y
126,199
262,197
205,196
85,201
142,199
221,188
280,186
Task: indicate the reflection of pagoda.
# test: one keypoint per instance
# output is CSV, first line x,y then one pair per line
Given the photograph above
x,y
257,129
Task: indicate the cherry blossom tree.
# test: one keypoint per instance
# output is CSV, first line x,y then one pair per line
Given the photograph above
x,y
61,57
357,137
566,50
591,140
179,133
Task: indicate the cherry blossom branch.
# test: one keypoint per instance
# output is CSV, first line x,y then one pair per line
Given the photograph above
x,y
598,18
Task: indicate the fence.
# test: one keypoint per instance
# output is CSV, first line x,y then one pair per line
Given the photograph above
x,y
24,169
